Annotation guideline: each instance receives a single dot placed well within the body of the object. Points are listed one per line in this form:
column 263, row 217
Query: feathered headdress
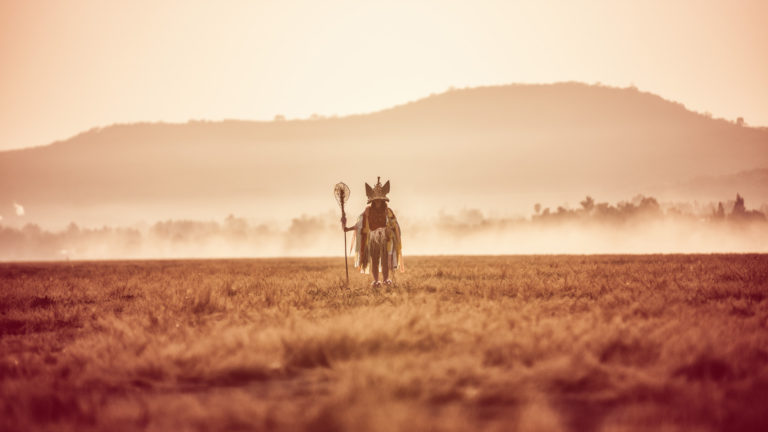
column 377, row 192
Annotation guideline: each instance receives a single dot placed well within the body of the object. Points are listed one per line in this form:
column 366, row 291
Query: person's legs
column 385, row 263
column 375, row 256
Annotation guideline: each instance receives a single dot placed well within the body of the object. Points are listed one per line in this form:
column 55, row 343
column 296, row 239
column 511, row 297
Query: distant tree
column 720, row 212
column 588, row 204
column 738, row 207
column 537, row 208
column 740, row 121
column 649, row 205
column 279, row 117
column 32, row 230
column 741, row 214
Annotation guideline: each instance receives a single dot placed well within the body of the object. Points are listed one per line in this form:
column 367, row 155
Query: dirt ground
column 527, row 343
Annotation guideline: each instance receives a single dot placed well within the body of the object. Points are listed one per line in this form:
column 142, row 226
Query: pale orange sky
column 68, row 66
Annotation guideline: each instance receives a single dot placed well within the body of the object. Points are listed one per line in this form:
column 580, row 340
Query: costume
column 375, row 236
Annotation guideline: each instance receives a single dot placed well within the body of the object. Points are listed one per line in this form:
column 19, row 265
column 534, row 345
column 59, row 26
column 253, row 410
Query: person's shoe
column 388, row 282
column 375, row 284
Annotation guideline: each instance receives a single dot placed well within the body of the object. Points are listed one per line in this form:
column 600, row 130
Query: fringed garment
column 365, row 240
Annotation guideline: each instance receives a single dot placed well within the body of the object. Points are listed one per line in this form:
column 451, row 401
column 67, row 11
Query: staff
column 341, row 192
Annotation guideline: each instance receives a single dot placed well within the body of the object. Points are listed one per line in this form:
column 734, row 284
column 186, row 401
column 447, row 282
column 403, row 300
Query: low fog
column 639, row 225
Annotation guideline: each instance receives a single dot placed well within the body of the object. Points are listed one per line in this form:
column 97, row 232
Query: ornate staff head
column 341, row 192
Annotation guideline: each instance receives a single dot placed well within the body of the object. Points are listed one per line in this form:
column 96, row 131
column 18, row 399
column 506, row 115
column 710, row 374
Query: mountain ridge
column 434, row 97
column 512, row 143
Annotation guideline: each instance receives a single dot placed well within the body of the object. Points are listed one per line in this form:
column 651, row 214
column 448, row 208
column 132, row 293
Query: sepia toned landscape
column 554, row 216
column 556, row 343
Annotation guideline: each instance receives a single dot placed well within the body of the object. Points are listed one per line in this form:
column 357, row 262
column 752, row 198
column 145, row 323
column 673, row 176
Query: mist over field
column 487, row 170
column 640, row 225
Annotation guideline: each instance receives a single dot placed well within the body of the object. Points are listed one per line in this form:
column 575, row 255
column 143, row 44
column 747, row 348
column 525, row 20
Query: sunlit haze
column 348, row 215
column 69, row 66
column 198, row 129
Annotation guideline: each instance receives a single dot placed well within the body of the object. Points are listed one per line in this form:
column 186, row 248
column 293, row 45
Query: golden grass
column 581, row 343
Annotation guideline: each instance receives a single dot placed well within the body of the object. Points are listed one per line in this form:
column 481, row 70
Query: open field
column 582, row 343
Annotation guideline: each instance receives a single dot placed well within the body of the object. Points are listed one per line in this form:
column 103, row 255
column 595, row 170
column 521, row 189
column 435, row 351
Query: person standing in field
column 376, row 242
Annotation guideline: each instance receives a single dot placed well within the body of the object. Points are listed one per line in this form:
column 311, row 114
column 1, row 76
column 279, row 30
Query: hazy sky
column 68, row 66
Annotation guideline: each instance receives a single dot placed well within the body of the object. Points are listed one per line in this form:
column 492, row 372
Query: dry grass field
column 528, row 343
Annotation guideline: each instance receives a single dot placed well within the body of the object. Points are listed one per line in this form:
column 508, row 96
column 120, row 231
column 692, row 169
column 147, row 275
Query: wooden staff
column 344, row 217
column 341, row 192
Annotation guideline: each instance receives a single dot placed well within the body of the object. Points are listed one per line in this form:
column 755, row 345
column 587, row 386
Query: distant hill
column 501, row 147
